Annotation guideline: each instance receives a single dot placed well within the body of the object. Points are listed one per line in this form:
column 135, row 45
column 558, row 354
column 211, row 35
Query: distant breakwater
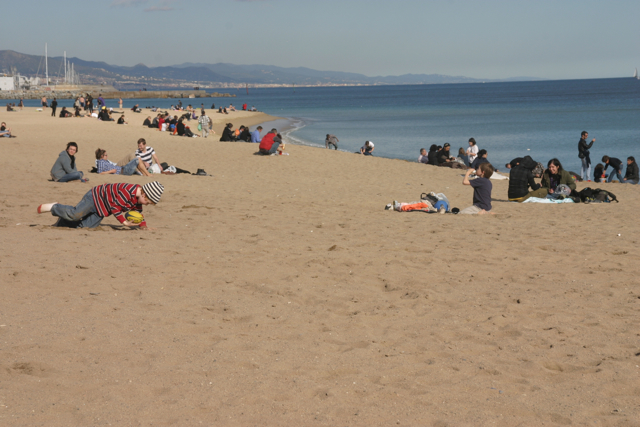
column 75, row 93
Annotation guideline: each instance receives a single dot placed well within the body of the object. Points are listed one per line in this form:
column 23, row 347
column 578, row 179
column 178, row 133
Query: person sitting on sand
column 423, row 157
column 463, row 156
column 444, row 155
column 136, row 108
column 104, row 115
column 245, row 135
column 121, row 120
column 5, row 131
column 255, row 135
column 147, row 122
column 271, row 143
column 105, row 166
column 232, row 108
column 598, row 173
column 556, row 175
column 433, row 155
column 616, row 165
column 481, row 189
column 227, row 133
column 367, row 148
column 183, row 130
column 521, row 178
column 103, row 201
column 10, row 108
column 480, row 159
column 64, row 168
column 64, row 113
column 632, row 176
column 472, row 151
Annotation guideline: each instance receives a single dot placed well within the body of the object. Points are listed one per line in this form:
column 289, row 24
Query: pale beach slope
column 278, row 291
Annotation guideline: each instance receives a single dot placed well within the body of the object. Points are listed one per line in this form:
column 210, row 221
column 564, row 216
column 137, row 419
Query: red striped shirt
column 116, row 200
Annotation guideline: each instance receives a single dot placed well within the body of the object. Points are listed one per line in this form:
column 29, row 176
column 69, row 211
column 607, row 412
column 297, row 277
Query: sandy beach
column 279, row 292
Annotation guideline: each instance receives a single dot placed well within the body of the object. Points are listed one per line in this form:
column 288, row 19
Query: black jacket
column 632, row 172
column 616, row 164
column 227, row 135
column 521, row 178
column 583, row 148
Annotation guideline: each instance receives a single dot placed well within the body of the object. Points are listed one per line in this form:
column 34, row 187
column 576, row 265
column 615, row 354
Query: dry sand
column 280, row 292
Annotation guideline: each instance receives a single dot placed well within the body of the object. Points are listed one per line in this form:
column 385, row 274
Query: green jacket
column 565, row 178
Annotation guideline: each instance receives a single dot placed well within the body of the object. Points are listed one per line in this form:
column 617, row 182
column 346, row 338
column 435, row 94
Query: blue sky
column 559, row 39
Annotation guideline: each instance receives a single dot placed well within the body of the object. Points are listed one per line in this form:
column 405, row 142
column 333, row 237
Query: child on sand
column 105, row 200
column 481, row 189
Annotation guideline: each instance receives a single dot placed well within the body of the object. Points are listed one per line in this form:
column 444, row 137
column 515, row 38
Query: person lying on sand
column 104, row 200
column 105, row 166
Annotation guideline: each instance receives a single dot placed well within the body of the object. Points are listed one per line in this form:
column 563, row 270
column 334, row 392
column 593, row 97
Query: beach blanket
column 545, row 200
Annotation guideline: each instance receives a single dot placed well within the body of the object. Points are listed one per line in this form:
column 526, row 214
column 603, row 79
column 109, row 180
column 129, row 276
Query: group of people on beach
column 106, row 199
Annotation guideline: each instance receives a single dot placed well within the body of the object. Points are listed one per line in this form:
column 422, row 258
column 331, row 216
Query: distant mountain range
column 208, row 75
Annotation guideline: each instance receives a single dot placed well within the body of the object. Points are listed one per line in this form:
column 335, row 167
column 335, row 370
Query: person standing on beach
column 331, row 140
column 89, row 105
column 204, row 121
column 54, row 105
column 120, row 103
column 583, row 154
column 44, row 102
column 101, row 101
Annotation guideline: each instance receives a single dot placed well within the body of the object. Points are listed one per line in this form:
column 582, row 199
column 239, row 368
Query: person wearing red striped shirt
column 104, row 200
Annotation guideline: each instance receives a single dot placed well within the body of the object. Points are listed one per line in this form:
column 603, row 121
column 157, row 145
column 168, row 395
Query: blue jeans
column 274, row 147
column 71, row 177
column 130, row 168
column 614, row 173
column 586, row 166
column 83, row 215
column 629, row 181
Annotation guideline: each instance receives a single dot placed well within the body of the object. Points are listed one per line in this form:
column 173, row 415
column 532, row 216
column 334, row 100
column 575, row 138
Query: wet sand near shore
column 278, row 291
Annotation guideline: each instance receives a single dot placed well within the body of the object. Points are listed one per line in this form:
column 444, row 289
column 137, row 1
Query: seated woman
column 77, row 112
column 64, row 169
column 521, row 178
column 463, row 156
column 433, row 155
column 121, row 120
column 227, row 133
column 555, row 175
column 147, row 122
column 105, row 166
column 367, row 148
column 5, row 131
column 245, row 135
column 64, row 113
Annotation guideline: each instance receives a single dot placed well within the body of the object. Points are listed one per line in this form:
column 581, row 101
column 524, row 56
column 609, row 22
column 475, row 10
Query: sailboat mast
column 65, row 67
column 46, row 64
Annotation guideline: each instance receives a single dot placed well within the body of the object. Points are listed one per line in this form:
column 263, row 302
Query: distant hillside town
column 22, row 71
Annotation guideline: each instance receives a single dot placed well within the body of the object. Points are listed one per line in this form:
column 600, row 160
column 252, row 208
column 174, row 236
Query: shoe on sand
column 45, row 207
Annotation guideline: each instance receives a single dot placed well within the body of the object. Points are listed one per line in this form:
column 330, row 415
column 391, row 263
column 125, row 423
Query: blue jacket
column 255, row 136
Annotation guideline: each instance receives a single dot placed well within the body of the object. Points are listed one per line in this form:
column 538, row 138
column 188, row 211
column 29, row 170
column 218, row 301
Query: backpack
column 590, row 195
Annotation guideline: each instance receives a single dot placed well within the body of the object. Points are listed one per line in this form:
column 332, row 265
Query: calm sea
column 542, row 119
